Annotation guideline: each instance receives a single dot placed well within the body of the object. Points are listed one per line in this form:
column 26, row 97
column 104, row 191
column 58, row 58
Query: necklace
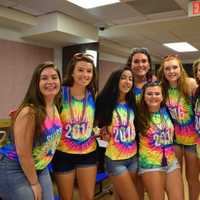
column 174, row 108
column 120, row 119
column 122, row 127
column 71, row 110
column 158, row 126
column 162, row 132
column 51, row 113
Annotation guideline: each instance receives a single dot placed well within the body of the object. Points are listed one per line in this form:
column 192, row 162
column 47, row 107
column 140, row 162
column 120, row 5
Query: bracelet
column 33, row 184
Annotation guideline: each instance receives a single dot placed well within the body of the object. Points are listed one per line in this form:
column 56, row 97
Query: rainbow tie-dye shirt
column 197, row 114
column 137, row 92
column 157, row 142
column 183, row 117
column 77, row 136
column 122, row 144
column 197, row 123
column 45, row 146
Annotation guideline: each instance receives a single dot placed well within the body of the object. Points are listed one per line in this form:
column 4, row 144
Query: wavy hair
column 107, row 99
column 35, row 99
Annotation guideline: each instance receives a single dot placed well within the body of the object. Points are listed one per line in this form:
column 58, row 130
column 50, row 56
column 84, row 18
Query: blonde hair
column 182, row 84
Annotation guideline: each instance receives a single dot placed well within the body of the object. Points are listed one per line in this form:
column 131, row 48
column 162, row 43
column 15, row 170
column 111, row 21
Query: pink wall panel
column 105, row 69
column 17, row 62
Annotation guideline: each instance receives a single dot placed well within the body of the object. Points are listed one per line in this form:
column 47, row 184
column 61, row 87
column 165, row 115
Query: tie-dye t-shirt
column 183, row 118
column 45, row 146
column 122, row 144
column 197, row 114
column 156, row 144
column 77, row 136
column 137, row 92
column 197, row 123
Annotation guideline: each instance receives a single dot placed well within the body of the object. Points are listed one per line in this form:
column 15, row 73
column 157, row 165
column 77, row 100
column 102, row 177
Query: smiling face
column 125, row 83
column 49, row 83
column 172, row 71
column 153, row 98
column 140, row 65
column 83, row 73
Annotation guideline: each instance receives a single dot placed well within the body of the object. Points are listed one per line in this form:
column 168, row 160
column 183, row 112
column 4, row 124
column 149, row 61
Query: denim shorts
column 117, row 167
column 65, row 162
column 15, row 186
column 168, row 169
column 188, row 148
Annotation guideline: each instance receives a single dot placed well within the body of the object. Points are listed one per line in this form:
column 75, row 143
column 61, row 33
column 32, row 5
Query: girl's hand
column 37, row 191
column 104, row 134
column 96, row 131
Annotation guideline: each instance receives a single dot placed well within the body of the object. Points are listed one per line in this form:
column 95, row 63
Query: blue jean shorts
column 168, row 169
column 117, row 167
column 14, row 184
column 188, row 148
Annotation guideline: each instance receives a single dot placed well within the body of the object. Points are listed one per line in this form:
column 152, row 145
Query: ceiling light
column 181, row 46
column 92, row 3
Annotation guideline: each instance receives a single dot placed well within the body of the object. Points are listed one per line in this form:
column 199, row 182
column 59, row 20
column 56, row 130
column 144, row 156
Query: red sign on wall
column 194, row 8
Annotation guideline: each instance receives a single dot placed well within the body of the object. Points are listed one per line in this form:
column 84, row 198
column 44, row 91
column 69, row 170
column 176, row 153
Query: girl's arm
column 24, row 133
column 192, row 86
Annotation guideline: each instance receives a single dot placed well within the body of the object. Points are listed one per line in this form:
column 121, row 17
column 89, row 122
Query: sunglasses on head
column 140, row 50
column 82, row 55
column 170, row 56
column 152, row 83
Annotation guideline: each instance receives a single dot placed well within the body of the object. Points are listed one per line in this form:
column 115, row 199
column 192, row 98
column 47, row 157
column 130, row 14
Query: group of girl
column 149, row 125
column 152, row 135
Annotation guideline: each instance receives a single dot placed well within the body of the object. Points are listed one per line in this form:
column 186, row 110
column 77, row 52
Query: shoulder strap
column 65, row 93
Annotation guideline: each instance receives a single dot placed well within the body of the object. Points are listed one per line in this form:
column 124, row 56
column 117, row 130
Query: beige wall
column 17, row 61
column 105, row 69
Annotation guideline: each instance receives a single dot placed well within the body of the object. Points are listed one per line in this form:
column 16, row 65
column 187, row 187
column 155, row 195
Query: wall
column 17, row 62
column 105, row 69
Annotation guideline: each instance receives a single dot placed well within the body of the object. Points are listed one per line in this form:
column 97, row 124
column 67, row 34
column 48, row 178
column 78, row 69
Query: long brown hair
column 107, row 99
column 143, row 114
column 35, row 99
column 68, row 78
column 182, row 85
column 144, row 51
